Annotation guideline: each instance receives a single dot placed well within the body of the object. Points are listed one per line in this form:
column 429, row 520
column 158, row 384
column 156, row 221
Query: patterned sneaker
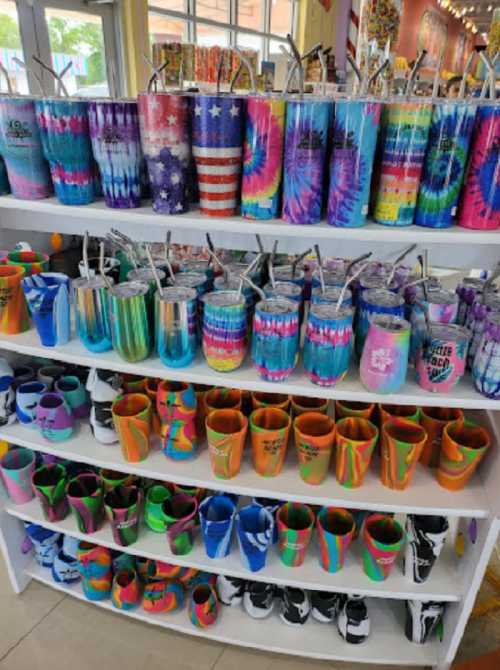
column 353, row 622
column 422, row 617
column 324, row 605
column 295, row 606
column 230, row 590
column 258, row 599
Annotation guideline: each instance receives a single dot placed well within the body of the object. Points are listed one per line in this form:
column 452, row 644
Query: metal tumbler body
column 129, row 321
column 176, row 326
column 93, row 325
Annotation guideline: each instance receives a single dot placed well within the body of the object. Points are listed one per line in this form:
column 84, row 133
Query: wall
column 408, row 31
column 315, row 24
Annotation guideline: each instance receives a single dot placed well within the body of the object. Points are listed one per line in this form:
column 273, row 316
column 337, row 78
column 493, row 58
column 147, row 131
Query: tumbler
column 314, row 435
column 434, row 420
column 64, row 131
column 371, row 303
column 441, row 357
column 224, row 330
column 269, row 432
column 355, row 440
column 441, row 306
column 384, row 361
column 217, row 515
column 405, row 131
column 354, row 142
column 92, row 317
column 275, row 340
column 444, row 165
column 467, row 290
column 262, row 157
column 13, row 310
column 425, row 538
column 486, row 366
column 331, row 294
column 123, row 506
column 254, row 528
column 85, row 496
column 176, row 326
column 132, row 419
column 383, row 538
column 21, row 149
column 482, row 308
column 164, row 124
column 328, row 343
column 129, row 321
column 17, row 467
column 402, row 446
column 335, row 533
column 47, row 296
column 463, row 447
column 49, row 487
column 306, row 131
column 217, row 150
column 226, row 434
column 114, row 130
column 480, row 204
column 295, row 523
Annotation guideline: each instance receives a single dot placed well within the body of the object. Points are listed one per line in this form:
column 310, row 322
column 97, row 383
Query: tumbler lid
column 440, row 296
column 382, row 297
column 285, row 273
column 285, row 289
column 232, row 283
column 331, row 293
column 224, row 299
column 277, row 305
column 130, row 289
column 177, row 294
column 94, row 283
column 329, row 312
column 331, row 277
column 391, row 323
column 449, row 332
column 190, row 279
column 145, row 275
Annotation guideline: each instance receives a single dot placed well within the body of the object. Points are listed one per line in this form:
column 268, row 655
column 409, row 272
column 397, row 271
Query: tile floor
column 43, row 629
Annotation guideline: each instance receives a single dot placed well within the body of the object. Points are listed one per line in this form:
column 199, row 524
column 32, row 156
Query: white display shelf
column 445, row 582
column 143, row 224
column 423, row 496
column 464, row 394
column 386, row 644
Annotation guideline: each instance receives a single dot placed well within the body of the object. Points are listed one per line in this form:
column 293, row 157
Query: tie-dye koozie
column 295, row 523
column 336, row 529
column 383, row 538
column 94, row 563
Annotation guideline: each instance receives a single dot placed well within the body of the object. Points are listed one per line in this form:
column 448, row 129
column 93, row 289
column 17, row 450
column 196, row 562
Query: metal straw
column 398, row 260
column 324, row 70
column 154, row 271
column 219, row 73
column 105, row 279
column 3, row 70
column 437, row 78
column 156, row 71
column 461, row 90
column 56, row 76
column 256, row 288
column 35, row 76
column 85, row 255
column 320, row 268
column 423, row 269
column 375, row 75
column 491, row 71
column 346, row 284
column 414, row 72
column 167, row 256
column 259, row 244
column 357, row 260
column 244, row 60
column 299, row 259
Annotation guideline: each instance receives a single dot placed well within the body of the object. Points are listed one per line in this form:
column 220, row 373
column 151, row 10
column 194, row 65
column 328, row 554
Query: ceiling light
column 490, row 8
column 474, row 29
column 471, row 9
column 464, row 11
column 468, row 25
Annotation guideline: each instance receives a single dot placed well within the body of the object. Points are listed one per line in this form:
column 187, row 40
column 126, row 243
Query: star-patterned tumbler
column 163, row 120
column 217, row 149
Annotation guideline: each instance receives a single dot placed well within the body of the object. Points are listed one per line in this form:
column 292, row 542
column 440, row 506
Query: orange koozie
column 269, row 432
column 433, row 420
column 464, row 445
column 314, row 435
column 226, row 433
column 402, row 445
column 13, row 310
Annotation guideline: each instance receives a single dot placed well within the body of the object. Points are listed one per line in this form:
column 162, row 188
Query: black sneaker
column 324, row 605
column 258, row 599
column 230, row 590
column 422, row 617
column 353, row 622
column 426, row 536
column 295, row 606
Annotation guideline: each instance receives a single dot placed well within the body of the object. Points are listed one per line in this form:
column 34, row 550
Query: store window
column 11, row 48
column 253, row 24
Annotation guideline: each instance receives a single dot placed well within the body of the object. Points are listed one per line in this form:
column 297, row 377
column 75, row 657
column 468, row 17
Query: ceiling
column 481, row 13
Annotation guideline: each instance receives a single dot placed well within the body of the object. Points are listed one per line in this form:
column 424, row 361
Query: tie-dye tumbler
column 114, row 130
column 336, row 528
column 314, row 435
column 355, row 132
column 306, row 132
column 48, row 297
column 355, row 440
column 486, row 367
column 464, row 445
column 405, row 127
column 85, row 497
column 384, row 361
column 383, row 538
column 13, row 309
column 262, row 157
column 65, row 135
column 17, row 467
column 295, row 523
column 445, row 162
column 480, row 204
column 402, row 446
column 441, row 358
column 275, row 338
column 217, row 149
column 328, row 344
column 224, row 330
column 21, row 149
column 164, row 123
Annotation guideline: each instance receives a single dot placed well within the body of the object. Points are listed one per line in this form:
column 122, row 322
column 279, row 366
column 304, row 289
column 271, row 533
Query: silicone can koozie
column 85, row 496
column 354, row 141
column 434, row 420
column 464, row 445
column 262, row 157
column 314, row 435
column 94, row 564
column 401, row 449
column 13, row 309
column 295, row 523
column 203, row 606
column 176, row 408
column 226, row 434
column 180, row 519
column 383, row 538
column 269, row 432
column 355, row 440
column 335, row 533
column 48, row 297
column 480, row 204
column 445, row 162
column 254, row 528
column 65, row 135
column 123, row 506
column 306, row 132
column 17, row 467
column 132, row 419
column 217, row 514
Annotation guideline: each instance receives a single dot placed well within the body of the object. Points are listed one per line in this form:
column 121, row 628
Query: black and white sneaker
column 104, row 387
column 422, row 617
column 230, row 590
column 258, row 599
column 295, row 606
column 426, row 536
column 353, row 622
column 324, row 605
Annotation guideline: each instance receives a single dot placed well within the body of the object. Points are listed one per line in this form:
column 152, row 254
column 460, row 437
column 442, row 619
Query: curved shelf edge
column 387, row 643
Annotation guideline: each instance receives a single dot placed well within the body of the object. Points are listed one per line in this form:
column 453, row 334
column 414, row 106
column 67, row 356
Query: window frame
column 189, row 15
